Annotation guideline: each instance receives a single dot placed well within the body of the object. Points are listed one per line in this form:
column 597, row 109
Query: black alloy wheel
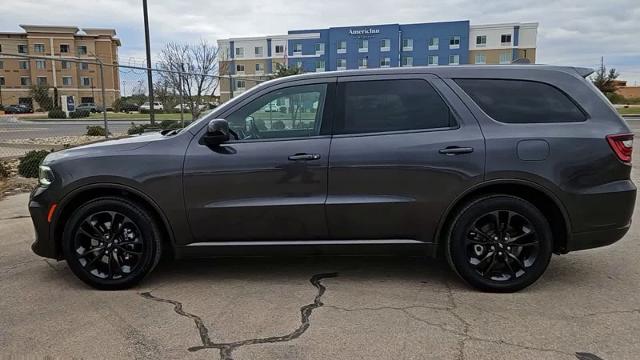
column 500, row 243
column 111, row 243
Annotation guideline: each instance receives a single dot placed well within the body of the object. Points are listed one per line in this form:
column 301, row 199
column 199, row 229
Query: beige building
column 69, row 75
column 249, row 60
column 502, row 43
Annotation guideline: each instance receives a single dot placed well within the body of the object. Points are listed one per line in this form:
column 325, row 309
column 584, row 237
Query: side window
column 285, row 113
column 392, row 105
column 520, row 101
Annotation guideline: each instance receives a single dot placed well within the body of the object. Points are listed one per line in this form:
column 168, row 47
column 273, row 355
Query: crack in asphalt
column 16, row 217
column 226, row 349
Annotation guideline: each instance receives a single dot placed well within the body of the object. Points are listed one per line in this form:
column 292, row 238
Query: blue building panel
column 376, row 36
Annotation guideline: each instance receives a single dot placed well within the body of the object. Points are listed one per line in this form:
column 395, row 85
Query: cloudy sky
column 570, row 32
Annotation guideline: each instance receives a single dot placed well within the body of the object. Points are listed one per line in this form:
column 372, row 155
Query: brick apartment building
column 81, row 80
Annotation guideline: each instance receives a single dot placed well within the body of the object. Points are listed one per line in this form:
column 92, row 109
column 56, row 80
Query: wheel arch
column 80, row 195
column 539, row 196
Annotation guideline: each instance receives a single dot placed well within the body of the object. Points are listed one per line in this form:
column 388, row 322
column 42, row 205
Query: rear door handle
column 304, row 157
column 455, row 150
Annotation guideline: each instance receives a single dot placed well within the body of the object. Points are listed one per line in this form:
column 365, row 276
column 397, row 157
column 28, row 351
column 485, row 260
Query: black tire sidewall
column 456, row 246
column 151, row 238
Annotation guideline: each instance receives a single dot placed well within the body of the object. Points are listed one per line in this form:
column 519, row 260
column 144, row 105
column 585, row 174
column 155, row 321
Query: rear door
column 400, row 154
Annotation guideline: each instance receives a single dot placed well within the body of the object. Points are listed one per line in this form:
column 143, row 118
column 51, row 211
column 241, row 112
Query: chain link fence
column 51, row 103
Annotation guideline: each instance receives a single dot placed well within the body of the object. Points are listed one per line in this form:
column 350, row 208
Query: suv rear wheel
column 111, row 243
column 499, row 243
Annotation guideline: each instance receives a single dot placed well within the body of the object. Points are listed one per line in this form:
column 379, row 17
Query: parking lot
column 586, row 306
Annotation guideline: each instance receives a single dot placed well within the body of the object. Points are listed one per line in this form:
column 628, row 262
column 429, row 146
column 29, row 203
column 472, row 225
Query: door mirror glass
column 217, row 132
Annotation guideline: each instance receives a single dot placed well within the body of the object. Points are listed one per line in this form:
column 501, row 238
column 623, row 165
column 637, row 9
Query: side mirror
column 217, row 132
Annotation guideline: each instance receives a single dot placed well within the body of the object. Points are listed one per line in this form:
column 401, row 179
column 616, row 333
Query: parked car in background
column 494, row 168
column 187, row 107
column 18, row 109
column 129, row 107
column 91, row 107
column 147, row 107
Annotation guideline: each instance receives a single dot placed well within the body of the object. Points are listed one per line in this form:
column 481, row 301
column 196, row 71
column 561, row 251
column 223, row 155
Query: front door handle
column 304, row 157
column 455, row 150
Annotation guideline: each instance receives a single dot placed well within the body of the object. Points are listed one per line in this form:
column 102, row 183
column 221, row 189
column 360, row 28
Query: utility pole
column 148, row 48
column 181, row 97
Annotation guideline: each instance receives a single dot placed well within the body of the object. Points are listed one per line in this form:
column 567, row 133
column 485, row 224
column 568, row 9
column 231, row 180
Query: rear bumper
column 594, row 239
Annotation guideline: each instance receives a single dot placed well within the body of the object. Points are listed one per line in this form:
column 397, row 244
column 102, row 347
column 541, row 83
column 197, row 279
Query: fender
column 445, row 216
column 113, row 186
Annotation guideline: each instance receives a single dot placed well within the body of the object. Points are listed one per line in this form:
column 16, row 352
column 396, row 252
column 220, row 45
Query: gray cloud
column 570, row 33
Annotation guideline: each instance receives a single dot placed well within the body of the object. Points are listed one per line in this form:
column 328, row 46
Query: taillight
column 622, row 145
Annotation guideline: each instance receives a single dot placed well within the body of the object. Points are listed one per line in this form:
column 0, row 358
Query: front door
column 270, row 183
column 400, row 155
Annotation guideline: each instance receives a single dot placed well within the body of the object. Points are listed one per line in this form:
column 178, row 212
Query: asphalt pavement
column 586, row 306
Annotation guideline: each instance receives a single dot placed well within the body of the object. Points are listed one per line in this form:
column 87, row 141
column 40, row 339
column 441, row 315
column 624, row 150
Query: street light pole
column 148, row 49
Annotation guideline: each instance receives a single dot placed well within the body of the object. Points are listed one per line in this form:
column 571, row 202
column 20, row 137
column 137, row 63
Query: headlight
column 45, row 175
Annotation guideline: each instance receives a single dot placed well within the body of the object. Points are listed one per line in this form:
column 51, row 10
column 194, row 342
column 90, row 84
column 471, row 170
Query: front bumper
column 44, row 244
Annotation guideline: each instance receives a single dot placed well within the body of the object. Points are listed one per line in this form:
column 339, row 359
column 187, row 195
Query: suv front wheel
column 499, row 243
column 111, row 243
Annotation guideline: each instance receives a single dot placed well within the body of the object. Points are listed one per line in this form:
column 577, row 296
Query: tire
column 493, row 257
column 107, row 258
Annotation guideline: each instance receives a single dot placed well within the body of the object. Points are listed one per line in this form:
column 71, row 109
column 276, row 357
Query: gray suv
column 492, row 167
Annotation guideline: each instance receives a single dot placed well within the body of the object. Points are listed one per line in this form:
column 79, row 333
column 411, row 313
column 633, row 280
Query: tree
column 192, row 69
column 283, row 71
column 40, row 93
column 605, row 80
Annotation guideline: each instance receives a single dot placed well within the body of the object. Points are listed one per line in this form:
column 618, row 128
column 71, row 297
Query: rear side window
column 391, row 105
column 520, row 102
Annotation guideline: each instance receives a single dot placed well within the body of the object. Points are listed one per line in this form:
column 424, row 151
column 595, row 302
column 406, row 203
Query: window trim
column 340, row 106
column 587, row 116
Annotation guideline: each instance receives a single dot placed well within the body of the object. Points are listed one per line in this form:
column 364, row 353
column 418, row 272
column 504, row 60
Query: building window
column 41, row 65
column 320, row 66
column 279, row 49
column 258, row 51
column 85, row 81
column 25, row 81
column 82, row 50
column 385, row 45
column 41, row 80
column 434, row 43
column 319, row 48
column 454, row 42
column 385, row 62
column 240, row 84
column 506, row 57
column 1, row 63
column 481, row 59
column 297, row 49
column 432, row 60
column 363, row 62
column 259, row 68
column 1, row 81
column 239, row 69
column 342, row 47
column 454, row 59
column 239, row 52
column 64, row 48
column 67, row 80
column 407, row 61
column 505, row 39
column 341, row 64
column 65, row 65
column 39, row 48
column 481, row 40
column 23, row 64
column 407, row 44
column 22, row 49
column 363, row 45
column 84, row 66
